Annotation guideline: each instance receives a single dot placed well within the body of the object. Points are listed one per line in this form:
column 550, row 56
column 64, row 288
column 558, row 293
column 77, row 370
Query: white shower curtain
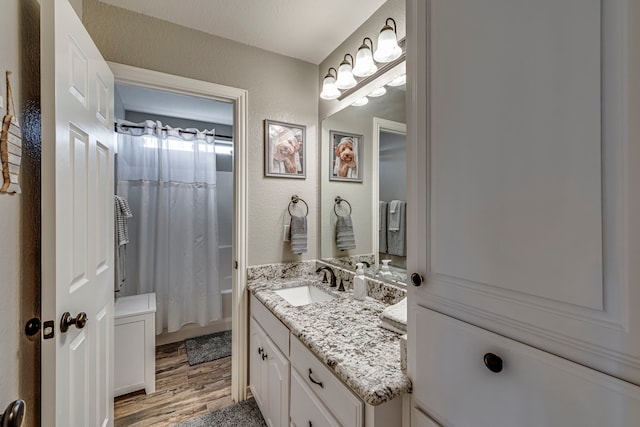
column 169, row 179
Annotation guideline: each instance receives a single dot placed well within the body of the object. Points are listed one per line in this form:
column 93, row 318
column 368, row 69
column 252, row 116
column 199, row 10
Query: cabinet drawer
column 306, row 409
column 340, row 400
column 278, row 332
column 533, row 388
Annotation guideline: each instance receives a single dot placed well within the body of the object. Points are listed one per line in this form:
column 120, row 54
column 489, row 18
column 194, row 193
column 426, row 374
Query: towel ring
column 339, row 200
column 295, row 199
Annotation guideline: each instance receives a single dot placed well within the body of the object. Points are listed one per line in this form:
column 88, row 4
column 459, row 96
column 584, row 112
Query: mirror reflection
column 366, row 200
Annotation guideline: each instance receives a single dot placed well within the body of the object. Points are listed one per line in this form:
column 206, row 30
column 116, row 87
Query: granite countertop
column 344, row 334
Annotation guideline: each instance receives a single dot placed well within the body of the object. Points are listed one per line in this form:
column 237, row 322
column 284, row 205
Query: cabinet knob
column 260, row 350
column 264, row 356
column 416, row 279
column 493, row 362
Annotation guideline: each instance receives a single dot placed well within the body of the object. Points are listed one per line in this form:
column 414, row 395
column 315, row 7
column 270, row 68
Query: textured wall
column 280, row 88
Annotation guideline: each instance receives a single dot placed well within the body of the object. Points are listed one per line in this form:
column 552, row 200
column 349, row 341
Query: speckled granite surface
column 345, row 335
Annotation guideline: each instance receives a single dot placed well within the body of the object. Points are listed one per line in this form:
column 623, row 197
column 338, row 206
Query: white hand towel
column 396, row 313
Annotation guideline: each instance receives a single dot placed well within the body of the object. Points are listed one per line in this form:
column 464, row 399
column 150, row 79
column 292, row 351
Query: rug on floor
column 243, row 414
column 208, row 347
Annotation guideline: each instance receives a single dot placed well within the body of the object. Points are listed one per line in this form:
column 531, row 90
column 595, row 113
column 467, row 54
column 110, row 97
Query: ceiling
column 135, row 98
column 305, row 29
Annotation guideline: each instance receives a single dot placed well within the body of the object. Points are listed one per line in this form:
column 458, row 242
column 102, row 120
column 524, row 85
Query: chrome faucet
column 331, row 272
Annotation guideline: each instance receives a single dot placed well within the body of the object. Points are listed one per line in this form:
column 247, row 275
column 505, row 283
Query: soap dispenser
column 360, row 283
column 385, row 271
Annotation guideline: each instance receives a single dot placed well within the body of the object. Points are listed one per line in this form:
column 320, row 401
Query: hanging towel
column 345, row 238
column 396, row 231
column 298, row 234
column 394, row 317
column 10, row 146
column 382, row 227
column 122, row 213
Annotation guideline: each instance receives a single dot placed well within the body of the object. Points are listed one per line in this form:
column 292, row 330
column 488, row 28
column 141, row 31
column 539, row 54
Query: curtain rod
column 115, row 125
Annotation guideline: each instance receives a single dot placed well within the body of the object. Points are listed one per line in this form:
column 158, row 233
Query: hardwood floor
column 182, row 391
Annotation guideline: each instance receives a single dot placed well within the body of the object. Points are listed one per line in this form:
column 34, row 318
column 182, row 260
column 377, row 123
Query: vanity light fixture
column 360, row 102
column 345, row 78
column 398, row 81
column 329, row 89
column 388, row 48
column 378, row 92
column 365, row 66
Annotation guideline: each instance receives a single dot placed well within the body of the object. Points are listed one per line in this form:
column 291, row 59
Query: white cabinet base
column 134, row 344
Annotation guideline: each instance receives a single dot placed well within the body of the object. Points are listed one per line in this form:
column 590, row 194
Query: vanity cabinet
column 524, row 209
column 269, row 374
column 296, row 389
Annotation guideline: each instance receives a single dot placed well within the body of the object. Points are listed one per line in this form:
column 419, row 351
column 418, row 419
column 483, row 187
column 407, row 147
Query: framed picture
column 284, row 150
column 346, row 156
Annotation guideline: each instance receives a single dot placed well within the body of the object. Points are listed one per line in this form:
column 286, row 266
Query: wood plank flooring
column 182, row 391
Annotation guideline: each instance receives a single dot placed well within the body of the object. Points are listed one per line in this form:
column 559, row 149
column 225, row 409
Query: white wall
column 280, row 88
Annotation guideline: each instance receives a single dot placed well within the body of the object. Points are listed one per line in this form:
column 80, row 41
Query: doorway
column 132, row 76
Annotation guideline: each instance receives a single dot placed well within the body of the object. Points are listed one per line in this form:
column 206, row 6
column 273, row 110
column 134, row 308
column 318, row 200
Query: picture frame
column 284, row 150
column 347, row 156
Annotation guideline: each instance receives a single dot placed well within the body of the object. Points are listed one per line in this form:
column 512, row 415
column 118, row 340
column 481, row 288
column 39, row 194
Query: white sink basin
column 303, row 295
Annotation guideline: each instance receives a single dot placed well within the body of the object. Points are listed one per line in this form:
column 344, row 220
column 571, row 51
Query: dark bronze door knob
column 79, row 321
column 416, row 279
column 493, row 362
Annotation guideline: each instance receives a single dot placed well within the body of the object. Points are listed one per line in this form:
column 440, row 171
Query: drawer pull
column 493, row 362
column 264, row 356
column 260, row 350
column 314, row 381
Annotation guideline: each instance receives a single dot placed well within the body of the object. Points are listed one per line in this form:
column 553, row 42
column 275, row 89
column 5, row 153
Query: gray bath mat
column 243, row 414
column 208, row 347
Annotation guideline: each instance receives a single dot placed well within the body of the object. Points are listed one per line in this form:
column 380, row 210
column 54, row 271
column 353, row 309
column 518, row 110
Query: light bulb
column 345, row 78
column 360, row 102
column 388, row 48
column 364, row 66
column 398, row 81
column 329, row 89
column 378, row 92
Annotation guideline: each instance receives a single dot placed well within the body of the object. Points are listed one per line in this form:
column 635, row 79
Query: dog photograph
column 346, row 152
column 284, row 149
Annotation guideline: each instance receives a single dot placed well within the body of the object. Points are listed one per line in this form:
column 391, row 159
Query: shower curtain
column 169, row 179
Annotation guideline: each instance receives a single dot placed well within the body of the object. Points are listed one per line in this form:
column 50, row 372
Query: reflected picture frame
column 284, row 150
column 347, row 156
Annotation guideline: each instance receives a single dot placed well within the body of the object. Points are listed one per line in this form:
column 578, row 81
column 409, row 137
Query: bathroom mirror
column 375, row 134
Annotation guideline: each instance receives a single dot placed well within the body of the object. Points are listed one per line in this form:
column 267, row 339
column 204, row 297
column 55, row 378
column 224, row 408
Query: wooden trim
column 127, row 74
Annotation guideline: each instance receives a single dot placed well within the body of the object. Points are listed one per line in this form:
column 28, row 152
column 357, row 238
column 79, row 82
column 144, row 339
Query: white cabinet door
column 523, row 173
column 257, row 367
column 268, row 377
column 278, row 371
column 77, row 222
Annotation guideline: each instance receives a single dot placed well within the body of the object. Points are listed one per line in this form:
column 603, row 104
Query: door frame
column 126, row 74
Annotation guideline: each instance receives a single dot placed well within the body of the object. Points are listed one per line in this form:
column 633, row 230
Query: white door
column 524, row 153
column 77, row 222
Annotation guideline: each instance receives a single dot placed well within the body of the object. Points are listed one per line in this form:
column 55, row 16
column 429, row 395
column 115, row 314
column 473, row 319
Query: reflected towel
column 382, row 227
column 298, row 233
column 397, row 230
column 394, row 215
column 345, row 238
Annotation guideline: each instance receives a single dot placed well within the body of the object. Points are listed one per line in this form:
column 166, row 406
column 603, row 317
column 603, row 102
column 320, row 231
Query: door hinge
column 235, row 265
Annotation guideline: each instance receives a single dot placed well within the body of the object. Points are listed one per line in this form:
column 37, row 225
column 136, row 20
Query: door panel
column 525, row 216
column 77, row 224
